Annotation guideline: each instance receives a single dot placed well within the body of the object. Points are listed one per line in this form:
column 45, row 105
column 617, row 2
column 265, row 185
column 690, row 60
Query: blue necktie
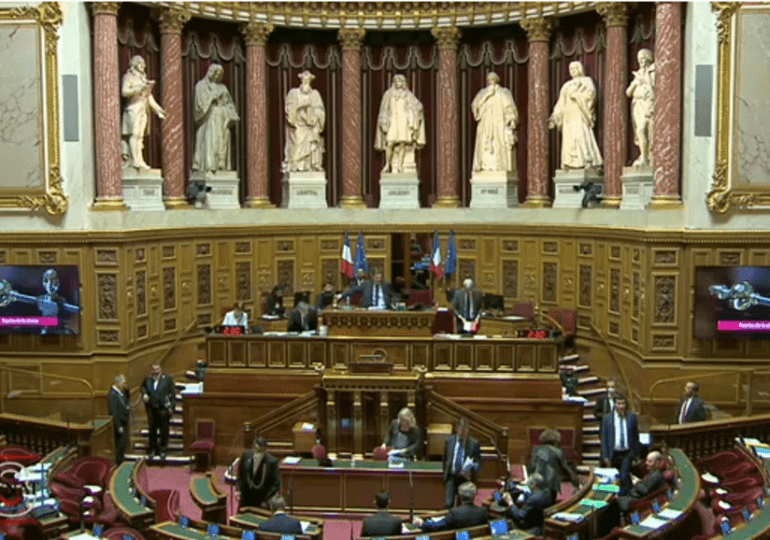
column 459, row 459
column 622, row 433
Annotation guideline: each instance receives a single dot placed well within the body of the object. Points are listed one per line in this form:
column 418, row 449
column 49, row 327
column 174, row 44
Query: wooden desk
column 122, row 493
column 360, row 322
column 559, row 530
column 210, row 498
column 343, row 488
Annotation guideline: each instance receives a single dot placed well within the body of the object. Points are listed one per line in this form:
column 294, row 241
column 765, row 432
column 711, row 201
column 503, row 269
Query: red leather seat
column 380, row 454
column 119, row 533
column 203, row 446
column 18, row 454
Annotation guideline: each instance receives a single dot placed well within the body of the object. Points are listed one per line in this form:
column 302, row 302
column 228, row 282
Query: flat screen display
column 39, row 300
column 732, row 302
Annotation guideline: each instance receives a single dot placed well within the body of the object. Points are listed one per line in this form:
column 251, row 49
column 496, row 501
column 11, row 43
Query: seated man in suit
column 467, row 304
column 527, row 510
column 691, row 408
column 236, row 317
column 382, row 523
column 464, row 516
column 462, row 458
column 620, row 442
column 303, row 318
column 374, row 294
column 258, row 476
column 281, row 522
column 326, row 298
column 650, row 484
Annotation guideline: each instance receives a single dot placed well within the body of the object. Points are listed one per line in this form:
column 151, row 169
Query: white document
column 725, row 505
column 606, row 472
column 668, row 513
column 645, row 439
column 468, row 464
column 653, row 523
column 292, row 460
column 271, row 317
column 305, row 526
column 308, row 427
column 710, row 478
column 749, row 441
column 566, row 516
column 467, row 325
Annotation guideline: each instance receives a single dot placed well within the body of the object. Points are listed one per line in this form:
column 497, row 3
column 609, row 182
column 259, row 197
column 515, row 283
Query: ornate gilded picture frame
column 742, row 171
column 29, row 109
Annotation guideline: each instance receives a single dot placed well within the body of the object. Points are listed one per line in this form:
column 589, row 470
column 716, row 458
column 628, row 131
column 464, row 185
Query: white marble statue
column 305, row 120
column 642, row 94
column 575, row 115
column 400, row 126
column 214, row 116
column 497, row 117
column 136, row 115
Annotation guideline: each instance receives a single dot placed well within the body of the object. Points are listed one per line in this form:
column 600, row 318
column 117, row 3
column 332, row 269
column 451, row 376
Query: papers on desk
column 576, row 399
column 668, row 513
column 645, row 439
column 725, row 505
column 276, row 334
column 593, row 503
column 396, row 463
column 721, row 491
column 653, row 523
column 606, row 474
column 607, row 488
column 82, row 536
column 307, row 426
column 762, row 452
column 271, row 317
column 481, row 337
column 710, row 478
column 570, row 517
column 291, row 460
column 305, row 526
column 193, row 389
column 749, row 441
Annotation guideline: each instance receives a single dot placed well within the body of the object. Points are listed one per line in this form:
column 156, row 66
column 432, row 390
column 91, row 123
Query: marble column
column 538, row 34
column 447, row 137
column 615, row 15
column 667, row 145
column 109, row 183
column 255, row 35
column 172, row 19
column 351, row 40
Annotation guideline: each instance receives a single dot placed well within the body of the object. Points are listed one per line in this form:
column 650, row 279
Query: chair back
column 417, row 296
column 524, row 309
column 319, row 452
column 380, row 454
column 444, row 322
column 356, row 298
column 204, row 428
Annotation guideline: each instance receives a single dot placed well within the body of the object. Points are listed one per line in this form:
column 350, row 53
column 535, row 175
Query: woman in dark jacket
column 404, row 437
column 275, row 301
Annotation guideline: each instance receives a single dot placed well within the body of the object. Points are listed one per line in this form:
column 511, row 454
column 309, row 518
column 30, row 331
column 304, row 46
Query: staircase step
column 172, row 446
column 591, row 392
column 176, row 421
column 569, row 358
column 585, row 381
column 592, row 440
column 592, row 456
column 591, row 429
column 170, row 460
column 589, row 416
column 172, row 433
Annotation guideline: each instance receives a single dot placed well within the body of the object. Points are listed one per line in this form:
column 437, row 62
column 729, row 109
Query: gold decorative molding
column 447, row 37
column 537, row 29
column 105, row 8
column 46, row 17
column 172, row 17
column 613, row 13
column 256, row 34
column 351, row 38
column 725, row 12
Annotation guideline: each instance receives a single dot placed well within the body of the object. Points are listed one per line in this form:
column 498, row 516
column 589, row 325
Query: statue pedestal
column 400, row 190
column 304, row 190
column 494, row 189
column 638, row 187
column 565, row 183
column 143, row 189
column 224, row 189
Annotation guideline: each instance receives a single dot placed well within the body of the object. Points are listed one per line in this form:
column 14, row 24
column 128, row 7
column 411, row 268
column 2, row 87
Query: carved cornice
column 537, row 29
column 613, row 13
column 172, row 18
column 255, row 33
column 447, row 37
column 351, row 38
column 724, row 11
column 105, row 8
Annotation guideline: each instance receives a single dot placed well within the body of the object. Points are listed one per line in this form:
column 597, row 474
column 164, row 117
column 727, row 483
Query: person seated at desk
column 274, row 306
column 382, row 523
column 258, row 476
column 548, row 461
column 236, row 317
column 326, row 298
column 527, row 510
column 404, row 437
column 464, row 516
column 467, row 304
column 374, row 294
column 651, row 483
column 303, row 318
column 281, row 522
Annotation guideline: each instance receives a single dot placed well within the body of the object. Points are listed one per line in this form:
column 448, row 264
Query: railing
column 292, row 410
column 626, row 382
column 659, row 383
column 42, row 435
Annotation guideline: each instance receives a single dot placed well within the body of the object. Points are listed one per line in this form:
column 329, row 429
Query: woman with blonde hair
column 404, row 438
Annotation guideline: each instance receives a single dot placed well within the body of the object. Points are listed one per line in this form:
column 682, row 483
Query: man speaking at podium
column 375, row 294
column 467, row 305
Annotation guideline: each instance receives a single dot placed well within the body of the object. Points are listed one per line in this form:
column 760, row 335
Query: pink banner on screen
column 29, row 321
column 744, row 326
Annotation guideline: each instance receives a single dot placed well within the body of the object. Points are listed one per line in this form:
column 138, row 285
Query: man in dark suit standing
column 374, row 294
column 258, row 477
column 691, row 408
column 527, row 514
column 467, row 304
column 464, row 516
column 159, row 395
column 620, row 442
column 119, row 410
column 281, row 522
column 462, row 458
column 303, row 318
column 382, row 523
column 605, row 404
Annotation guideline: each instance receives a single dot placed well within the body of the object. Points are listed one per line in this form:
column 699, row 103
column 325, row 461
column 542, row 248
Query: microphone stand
column 411, row 497
column 291, row 489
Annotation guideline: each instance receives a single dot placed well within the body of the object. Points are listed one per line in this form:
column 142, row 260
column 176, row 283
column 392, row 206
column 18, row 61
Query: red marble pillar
column 538, row 32
column 448, row 122
column 109, row 183
column 255, row 35
column 351, row 40
column 172, row 19
column 666, row 148
column 615, row 16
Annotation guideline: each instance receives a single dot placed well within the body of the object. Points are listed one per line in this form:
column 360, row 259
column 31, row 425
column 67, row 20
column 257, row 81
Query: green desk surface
column 203, row 490
column 174, row 529
column 122, row 491
column 585, row 509
column 639, row 530
column 57, row 454
column 759, row 524
column 690, row 481
column 248, row 519
column 368, row 464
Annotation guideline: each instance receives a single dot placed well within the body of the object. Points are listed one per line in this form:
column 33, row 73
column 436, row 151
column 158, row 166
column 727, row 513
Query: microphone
column 291, row 489
column 411, row 497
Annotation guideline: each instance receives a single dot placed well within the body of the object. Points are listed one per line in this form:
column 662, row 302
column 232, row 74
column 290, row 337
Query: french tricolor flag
column 347, row 258
column 435, row 260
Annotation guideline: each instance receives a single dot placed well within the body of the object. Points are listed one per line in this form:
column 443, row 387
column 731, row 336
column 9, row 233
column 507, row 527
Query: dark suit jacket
column 295, row 320
column 264, row 484
column 414, row 436
column 648, row 485
column 275, row 305
column 549, row 462
column 472, row 450
column 366, row 289
column 325, row 299
column 282, row 523
column 608, row 435
column 530, row 514
column 118, row 407
column 164, row 396
column 464, row 516
column 695, row 413
column 460, row 302
column 602, row 406
column 381, row 524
